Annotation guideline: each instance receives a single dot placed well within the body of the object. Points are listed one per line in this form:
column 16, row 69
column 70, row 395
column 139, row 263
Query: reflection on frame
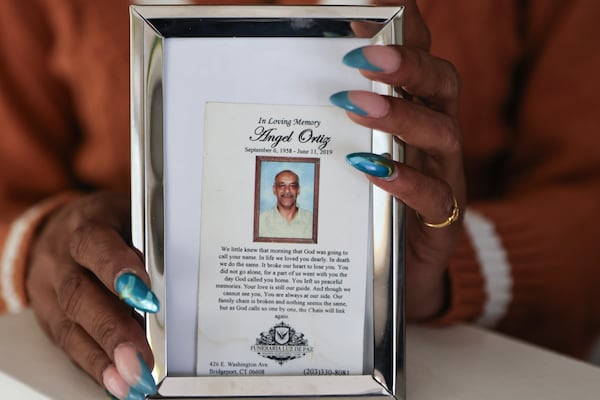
column 286, row 193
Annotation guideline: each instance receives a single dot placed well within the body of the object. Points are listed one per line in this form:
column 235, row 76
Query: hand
column 432, row 178
column 79, row 263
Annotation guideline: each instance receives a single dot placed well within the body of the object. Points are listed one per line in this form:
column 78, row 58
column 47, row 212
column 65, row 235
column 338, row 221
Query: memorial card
column 284, row 242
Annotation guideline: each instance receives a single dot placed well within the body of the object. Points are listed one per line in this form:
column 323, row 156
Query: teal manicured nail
column 356, row 59
column 132, row 395
column 372, row 164
column 132, row 368
column 134, row 292
column 342, row 100
column 135, row 395
column 146, row 383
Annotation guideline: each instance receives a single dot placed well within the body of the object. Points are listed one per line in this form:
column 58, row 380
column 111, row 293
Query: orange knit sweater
column 529, row 262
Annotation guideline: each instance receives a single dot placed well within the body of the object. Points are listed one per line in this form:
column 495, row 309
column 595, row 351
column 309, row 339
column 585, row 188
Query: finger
column 431, row 197
column 107, row 208
column 429, row 78
column 70, row 337
column 117, row 386
column 102, row 250
column 133, row 369
column 435, row 133
column 82, row 349
column 110, row 325
column 416, row 32
column 85, row 353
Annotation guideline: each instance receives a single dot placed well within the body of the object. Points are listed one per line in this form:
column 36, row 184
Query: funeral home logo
column 281, row 343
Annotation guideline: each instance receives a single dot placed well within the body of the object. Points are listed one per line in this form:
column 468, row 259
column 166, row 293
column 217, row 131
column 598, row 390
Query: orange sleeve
column 38, row 135
column 545, row 226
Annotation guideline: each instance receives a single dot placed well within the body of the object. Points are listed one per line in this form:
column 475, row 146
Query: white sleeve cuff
column 495, row 267
column 10, row 252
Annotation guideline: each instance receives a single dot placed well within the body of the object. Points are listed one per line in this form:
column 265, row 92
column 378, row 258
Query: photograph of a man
column 286, row 217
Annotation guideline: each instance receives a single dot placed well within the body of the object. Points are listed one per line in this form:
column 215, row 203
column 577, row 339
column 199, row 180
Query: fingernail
column 373, row 58
column 134, row 292
column 372, row 164
column 357, row 59
column 114, row 384
column 363, row 103
column 134, row 395
column 110, row 395
column 133, row 369
column 131, row 395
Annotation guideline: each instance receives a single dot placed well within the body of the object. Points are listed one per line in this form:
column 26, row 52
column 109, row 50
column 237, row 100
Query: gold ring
column 451, row 219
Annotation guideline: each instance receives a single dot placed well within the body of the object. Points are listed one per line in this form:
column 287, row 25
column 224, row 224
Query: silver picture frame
column 161, row 204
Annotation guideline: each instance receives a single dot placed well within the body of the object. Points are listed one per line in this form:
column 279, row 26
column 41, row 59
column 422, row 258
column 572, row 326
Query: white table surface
column 462, row 362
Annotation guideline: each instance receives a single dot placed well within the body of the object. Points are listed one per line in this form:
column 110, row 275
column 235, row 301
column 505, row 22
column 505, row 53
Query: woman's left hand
column 431, row 182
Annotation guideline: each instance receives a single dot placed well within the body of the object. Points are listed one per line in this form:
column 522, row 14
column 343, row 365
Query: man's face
column 287, row 189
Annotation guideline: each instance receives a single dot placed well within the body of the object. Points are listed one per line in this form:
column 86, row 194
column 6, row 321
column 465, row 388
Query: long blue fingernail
column 134, row 292
column 135, row 395
column 372, row 164
column 356, row 59
column 146, row 383
column 342, row 100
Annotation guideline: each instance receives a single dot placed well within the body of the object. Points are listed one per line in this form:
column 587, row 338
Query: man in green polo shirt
column 286, row 219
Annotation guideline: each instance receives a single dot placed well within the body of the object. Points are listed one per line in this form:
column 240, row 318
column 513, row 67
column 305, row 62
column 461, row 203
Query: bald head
column 286, row 187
